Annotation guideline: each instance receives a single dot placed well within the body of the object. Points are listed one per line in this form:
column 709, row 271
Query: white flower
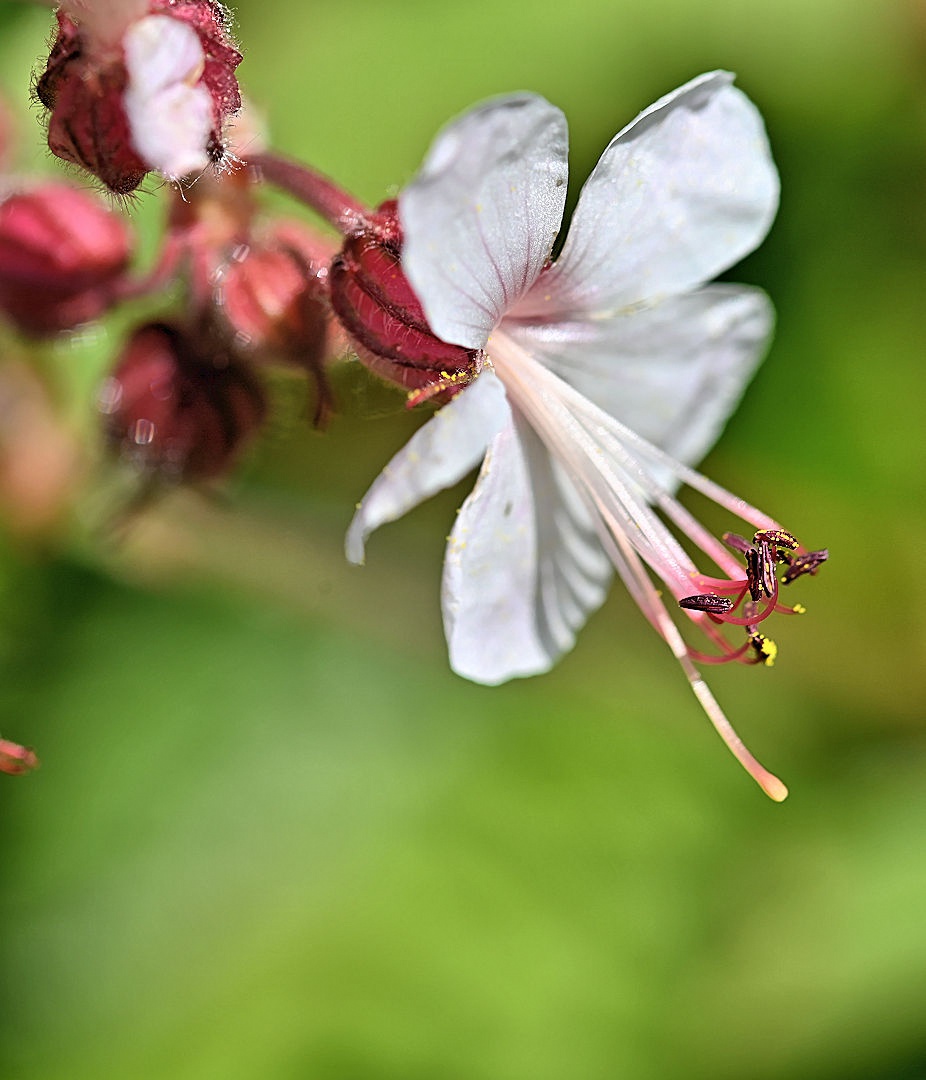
column 602, row 379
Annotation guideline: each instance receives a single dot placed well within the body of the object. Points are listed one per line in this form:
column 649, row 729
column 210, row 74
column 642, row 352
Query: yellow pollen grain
column 799, row 609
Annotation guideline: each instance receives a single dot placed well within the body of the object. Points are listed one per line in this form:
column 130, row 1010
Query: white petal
column 679, row 195
column 524, row 567
column 673, row 373
column 480, row 218
column 439, row 454
column 170, row 117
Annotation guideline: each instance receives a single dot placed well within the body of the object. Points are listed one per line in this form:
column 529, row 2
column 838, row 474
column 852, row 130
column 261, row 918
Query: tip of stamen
column 772, row 787
column 765, row 651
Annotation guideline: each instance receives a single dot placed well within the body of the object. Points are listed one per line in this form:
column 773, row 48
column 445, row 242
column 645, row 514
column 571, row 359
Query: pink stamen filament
column 687, row 523
column 729, row 653
column 545, row 400
column 728, row 658
column 770, row 784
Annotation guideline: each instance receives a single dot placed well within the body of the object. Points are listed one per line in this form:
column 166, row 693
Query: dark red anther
column 736, row 542
column 63, row 254
column 378, row 308
column 808, row 563
column 710, row 603
column 177, row 410
column 775, row 538
column 766, row 567
column 754, row 573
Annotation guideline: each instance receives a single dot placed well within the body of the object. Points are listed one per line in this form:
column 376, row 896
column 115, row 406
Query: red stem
column 328, row 200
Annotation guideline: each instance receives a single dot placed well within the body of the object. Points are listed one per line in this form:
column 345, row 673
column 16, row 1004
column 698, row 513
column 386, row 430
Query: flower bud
column 150, row 89
column 270, row 293
column 377, row 306
column 62, row 256
column 177, row 410
column 15, row 759
column 271, row 298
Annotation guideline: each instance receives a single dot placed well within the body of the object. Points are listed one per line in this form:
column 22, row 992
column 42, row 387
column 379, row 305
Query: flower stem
column 328, row 200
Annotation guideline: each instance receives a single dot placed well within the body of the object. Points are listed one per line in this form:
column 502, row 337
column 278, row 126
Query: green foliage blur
column 274, row 836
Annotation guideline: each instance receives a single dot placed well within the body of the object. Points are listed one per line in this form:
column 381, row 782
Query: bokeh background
column 274, row 836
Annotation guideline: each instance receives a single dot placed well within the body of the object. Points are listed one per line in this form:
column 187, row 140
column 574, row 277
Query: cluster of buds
column 186, row 396
column 260, row 287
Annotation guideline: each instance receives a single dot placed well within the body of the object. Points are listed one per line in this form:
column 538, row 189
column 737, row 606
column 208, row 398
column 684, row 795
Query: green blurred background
column 274, row 836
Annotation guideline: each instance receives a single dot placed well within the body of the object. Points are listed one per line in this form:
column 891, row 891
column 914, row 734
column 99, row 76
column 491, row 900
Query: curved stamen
column 616, row 487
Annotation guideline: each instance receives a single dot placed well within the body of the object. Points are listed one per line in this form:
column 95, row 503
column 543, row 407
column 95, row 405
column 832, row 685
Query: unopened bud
column 15, row 759
column 177, row 411
column 272, row 299
column 151, row 95
column 62, row 254
column 272, row 295
column 378, row 308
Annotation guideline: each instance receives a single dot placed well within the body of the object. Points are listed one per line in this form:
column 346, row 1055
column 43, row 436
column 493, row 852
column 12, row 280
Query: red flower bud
column 62, row 255
column 272, row 293
column 271, row 296
column 128, row 99
column 15, row 759
column 178, row 411
column 376, row 305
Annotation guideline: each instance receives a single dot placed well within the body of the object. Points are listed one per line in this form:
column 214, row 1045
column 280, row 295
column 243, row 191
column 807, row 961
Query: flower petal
column 679, row 195
column 524, row 566
column 439, row 454
column 480, row 218
column 673, row 373
column 170, row 117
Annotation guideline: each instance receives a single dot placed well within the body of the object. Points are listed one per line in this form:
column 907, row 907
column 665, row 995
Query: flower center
column 377, row 306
